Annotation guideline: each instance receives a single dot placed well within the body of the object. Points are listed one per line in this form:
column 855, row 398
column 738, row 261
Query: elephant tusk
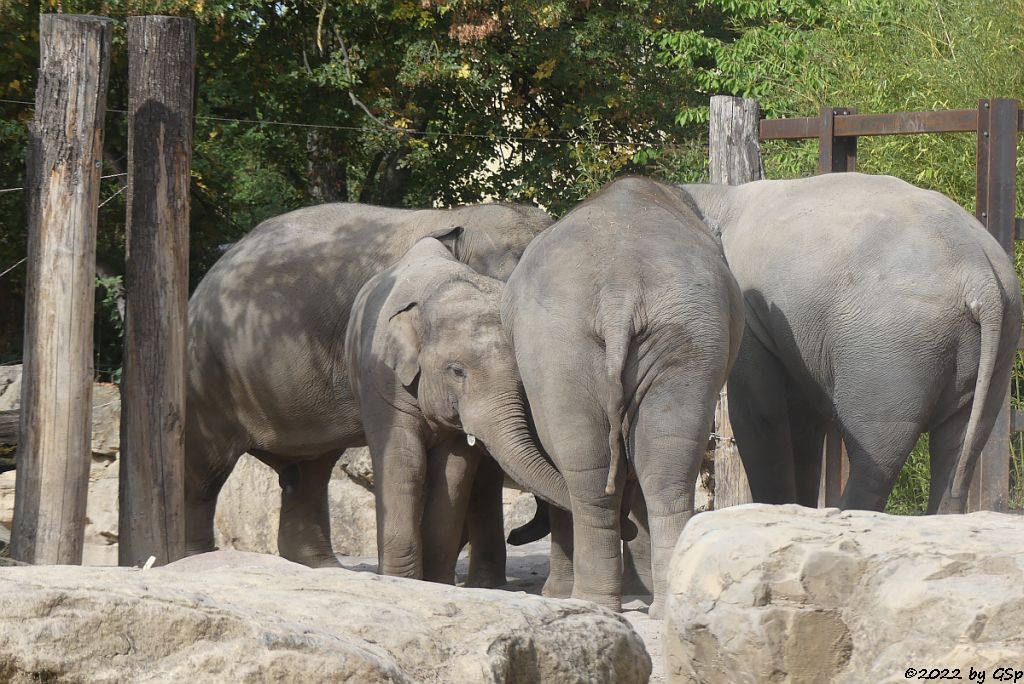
column 470, row 440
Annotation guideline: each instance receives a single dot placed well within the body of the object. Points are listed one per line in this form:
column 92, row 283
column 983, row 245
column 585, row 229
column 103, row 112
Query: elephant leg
column 670, row 437
column 304, row 532
column 597, row 540
column 636, row 554
column 486, row 522
column 560, row 577
column 877, row 451
column 399, row 470
column 945, row 442
column 451, row 468
column 759, row 413
column 209, row 460
column 807, row 431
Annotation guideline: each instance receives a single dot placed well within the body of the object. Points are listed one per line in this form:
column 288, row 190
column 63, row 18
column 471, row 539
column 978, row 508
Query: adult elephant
column 625, row 321
column 267, row 372
column 873, row 305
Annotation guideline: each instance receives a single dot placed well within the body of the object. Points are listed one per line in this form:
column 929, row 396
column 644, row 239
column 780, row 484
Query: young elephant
column 267, row 326
column 872, row 306
column 433, row 373
column 625, row 321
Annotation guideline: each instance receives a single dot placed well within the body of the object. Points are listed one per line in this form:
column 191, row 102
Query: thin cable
column 394, row 129
column 119, row 191
column 13, row 267
column 113, row 175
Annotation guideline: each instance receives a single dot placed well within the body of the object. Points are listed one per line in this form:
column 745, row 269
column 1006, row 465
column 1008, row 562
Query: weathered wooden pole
column 996, row 209
column 160, row 79
column 734, row 158
column 64, row 157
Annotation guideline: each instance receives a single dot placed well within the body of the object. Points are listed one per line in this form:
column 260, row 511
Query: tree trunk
column 152, row 466
column 734, row 158
column 64, row 168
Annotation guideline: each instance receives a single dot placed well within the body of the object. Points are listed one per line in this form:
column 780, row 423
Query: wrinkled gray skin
column 872, row 305
column 433, row 370
column 267, row 326
column 625, row 320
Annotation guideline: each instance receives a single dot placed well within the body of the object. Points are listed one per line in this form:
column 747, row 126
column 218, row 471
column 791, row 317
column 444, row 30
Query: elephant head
column 490, row 238
column 439, row 337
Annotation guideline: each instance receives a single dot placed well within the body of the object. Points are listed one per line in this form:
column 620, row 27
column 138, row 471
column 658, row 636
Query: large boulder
column 101, row 512
column 230, row 616
column 250, row 504
column 784, row 593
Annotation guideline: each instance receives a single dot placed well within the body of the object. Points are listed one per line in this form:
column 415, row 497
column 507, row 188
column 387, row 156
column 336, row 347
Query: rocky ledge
column 785, row 593
column 244, row 617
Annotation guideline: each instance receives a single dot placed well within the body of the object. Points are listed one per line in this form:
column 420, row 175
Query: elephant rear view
column 873, row 306
column 625, row 321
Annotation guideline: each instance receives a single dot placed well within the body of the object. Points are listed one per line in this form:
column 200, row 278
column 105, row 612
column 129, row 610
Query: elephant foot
column 657, row 610
column 556, row 587
column 491, row 579
column 613, row 603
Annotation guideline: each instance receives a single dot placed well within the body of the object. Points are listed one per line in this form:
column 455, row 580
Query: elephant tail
column 617, row 336
column 988, row 312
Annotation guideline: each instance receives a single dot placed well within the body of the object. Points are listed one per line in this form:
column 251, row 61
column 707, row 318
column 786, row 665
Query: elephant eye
column 457, row 370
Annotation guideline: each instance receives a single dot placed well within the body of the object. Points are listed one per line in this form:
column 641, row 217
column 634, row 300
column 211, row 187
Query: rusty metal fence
column 996, row 123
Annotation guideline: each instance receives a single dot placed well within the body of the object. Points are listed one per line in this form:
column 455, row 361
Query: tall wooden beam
column 64, row 158
column 835, row 153
column 734, row 158
column 160, row 82
column 996, row 205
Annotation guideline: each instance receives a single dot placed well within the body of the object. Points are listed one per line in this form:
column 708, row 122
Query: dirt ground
column 527, row 568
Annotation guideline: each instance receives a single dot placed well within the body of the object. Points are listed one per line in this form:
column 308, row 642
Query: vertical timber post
column 161, row 72
column 734, row 158
column 64, row 167
column 835, row 155
column 996, row 209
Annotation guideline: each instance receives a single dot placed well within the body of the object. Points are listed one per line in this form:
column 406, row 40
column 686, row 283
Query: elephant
column 267, row 371
column 625, row 321
column 874, row 308
column 433, row 373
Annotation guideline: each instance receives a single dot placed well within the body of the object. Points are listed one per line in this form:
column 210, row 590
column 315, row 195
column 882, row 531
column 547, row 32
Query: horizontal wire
column 395, row 129
column 113, row 175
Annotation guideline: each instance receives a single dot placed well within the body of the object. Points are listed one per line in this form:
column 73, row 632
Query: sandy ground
column 527, row 568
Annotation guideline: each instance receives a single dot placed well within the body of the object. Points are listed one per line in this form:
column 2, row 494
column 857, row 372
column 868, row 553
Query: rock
column 241, row 617
column 520, row 507
column 356, row 464
column 106, row 419
column 783, row 593
column 250, row 504
column 106, row 409
column 10, row 388
column 101, row 510
column 248, row 508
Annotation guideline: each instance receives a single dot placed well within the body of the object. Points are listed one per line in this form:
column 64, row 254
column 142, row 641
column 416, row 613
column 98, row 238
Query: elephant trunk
column 508, row 440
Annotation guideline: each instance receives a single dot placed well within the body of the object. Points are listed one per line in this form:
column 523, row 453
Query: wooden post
column 996, row 209
column 161, row 68
column 64, row 157
column 734, row 158
column 835, row 154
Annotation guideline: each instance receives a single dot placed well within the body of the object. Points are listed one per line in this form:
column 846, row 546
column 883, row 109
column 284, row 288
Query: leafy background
column 438, row 102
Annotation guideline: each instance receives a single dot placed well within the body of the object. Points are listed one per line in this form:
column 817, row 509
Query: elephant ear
column 449, row 237
column 402, row 344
